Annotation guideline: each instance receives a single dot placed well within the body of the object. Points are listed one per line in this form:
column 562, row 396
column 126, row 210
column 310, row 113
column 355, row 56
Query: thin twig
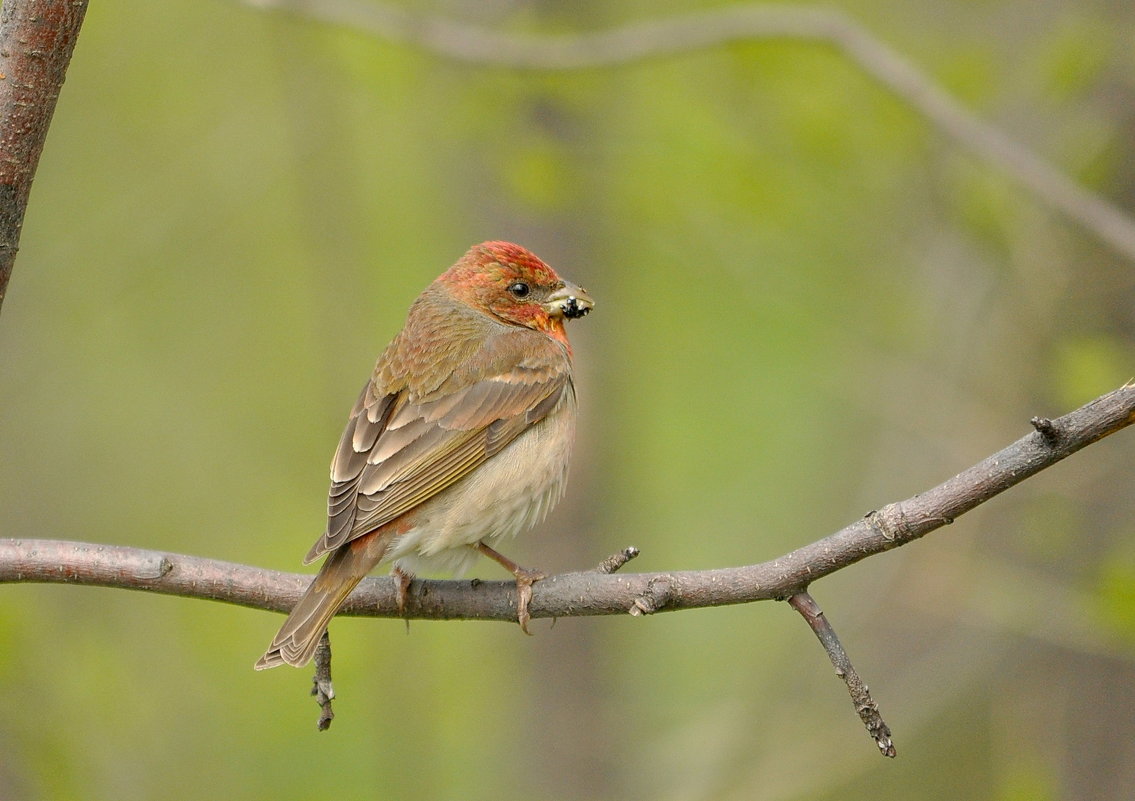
column 37, row 38
column 675, row 35
column 1046, row 428
column 321, row 682
column 589, row 592
column 616, row 560
column 861, row 698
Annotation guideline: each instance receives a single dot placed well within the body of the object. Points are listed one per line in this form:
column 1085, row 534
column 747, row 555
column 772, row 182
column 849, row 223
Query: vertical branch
column 321, row 682
column 37, row 38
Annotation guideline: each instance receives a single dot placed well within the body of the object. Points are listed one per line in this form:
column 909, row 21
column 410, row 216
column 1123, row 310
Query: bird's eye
column 519, row 289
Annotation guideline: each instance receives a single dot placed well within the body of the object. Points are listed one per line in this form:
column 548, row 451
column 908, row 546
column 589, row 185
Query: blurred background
column 811, row 302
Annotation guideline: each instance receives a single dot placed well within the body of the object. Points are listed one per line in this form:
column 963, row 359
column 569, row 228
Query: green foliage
column 1117, row 594
column 810, row 303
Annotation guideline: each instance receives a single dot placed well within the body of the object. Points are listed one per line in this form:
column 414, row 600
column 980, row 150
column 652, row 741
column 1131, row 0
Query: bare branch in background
column 637, row 41
column 37, row 38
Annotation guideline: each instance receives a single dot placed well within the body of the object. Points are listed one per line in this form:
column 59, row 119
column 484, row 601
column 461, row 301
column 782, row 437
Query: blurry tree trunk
column 37, row 38
column 566, row 678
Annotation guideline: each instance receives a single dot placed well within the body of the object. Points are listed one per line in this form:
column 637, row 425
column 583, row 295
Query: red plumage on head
column 492, row 262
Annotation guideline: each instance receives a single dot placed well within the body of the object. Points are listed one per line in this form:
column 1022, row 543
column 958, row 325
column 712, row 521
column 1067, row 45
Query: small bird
column 460, row 438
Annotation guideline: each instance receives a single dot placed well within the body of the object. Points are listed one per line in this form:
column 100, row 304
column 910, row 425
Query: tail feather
column 344, row 568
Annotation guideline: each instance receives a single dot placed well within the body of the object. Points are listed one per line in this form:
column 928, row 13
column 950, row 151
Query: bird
column 461, row 438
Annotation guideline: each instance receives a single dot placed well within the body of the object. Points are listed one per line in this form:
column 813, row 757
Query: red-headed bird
column 460, row 438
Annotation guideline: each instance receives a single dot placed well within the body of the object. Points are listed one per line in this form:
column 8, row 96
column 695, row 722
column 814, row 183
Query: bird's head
column 513, row 285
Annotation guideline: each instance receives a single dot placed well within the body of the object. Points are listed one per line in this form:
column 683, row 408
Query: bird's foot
column 403, row 581
column 525, row 578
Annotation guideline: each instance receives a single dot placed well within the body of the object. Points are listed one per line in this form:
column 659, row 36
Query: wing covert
column 398, row 450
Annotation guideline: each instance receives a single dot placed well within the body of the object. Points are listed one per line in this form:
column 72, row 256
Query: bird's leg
column 525, row 578
column 403, row 579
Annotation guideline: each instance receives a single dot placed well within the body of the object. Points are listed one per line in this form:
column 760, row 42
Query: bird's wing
column 398, row 450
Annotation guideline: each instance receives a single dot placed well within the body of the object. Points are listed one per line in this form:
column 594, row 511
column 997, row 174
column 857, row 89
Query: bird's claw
column 402, row 580
column 525, row 578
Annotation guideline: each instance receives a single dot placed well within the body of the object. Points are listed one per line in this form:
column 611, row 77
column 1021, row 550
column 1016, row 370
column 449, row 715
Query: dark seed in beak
column 573, row 310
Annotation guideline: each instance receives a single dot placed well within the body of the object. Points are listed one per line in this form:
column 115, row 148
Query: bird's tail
column 344, row 568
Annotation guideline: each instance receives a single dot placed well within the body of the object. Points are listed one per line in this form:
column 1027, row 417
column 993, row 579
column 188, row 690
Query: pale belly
column 511, row 492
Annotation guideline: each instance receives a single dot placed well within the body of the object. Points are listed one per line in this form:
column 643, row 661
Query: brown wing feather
column 401, row 448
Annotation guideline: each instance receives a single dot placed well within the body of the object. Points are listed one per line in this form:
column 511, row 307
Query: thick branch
column 592, row 592
column 37, row 38
column 685, row 33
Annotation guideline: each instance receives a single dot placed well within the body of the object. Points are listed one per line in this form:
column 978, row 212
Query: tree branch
column 599, row 591
column 37, row 38
column 591, row 592
column 861, row 699
column 697, row 31
column 321, row 682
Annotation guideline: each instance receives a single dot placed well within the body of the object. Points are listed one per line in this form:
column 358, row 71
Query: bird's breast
column 511, row 492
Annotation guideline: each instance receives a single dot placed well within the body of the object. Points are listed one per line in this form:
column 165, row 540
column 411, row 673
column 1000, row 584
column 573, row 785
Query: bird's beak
column 569, row 301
